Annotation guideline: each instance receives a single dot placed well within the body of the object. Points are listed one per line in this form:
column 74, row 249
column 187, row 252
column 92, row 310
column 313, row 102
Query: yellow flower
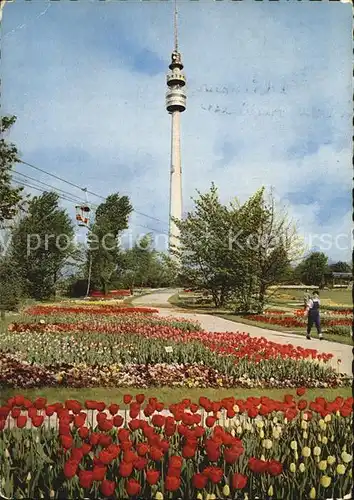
column 331, row 459
column 322, row 465
column 328, row 418
column 296, row 455
column 261, row 434
column 276, row 434
column 323, row 426
column 267, row 444
column 317, row 451
column 325, row 481
column 210, row 496
column 270, row 491
column 324, row 440
column 341, row 469
column 312, row 493
column 305, row 435
column 260, row 424
column 306, row 451
column 303, row 425
column 302, row 467
column 293, row 445
column 226, row 490
column 346, row 457
column 159, row 496
column 292, row 467
column 199, row 496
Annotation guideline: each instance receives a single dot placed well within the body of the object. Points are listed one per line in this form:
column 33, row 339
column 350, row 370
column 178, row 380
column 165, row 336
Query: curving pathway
column 159, row 299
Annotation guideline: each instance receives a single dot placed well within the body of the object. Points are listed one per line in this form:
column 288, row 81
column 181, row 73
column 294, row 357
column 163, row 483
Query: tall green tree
column 235, row 252
column 313, row 269
column 41, row 245
column 104, row 250
column 10, row 196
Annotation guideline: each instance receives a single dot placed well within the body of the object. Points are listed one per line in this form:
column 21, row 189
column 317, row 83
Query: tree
column 278, row 247
column 142, row 265
column 10, row 197
column 313, row 269
column 42, row 244
column 234, row 252
column 110, row 220
column 340, row 267
column 10, row 284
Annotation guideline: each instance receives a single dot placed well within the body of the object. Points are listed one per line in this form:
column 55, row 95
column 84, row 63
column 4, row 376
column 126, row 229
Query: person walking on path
column 313, row 315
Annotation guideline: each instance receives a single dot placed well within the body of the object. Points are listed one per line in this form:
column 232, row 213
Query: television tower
column 175, row 105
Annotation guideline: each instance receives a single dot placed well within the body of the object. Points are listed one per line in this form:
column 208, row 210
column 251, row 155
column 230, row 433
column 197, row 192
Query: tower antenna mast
column 176, row 27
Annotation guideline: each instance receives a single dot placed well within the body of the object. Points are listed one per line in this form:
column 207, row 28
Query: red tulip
column 113, row 409
column 21, row 421
column 132, row 487
column 66, row 442
column 107, row 488
column 37, row 420
column 98, row 474
column 85, row 479
column 125, row 469
column 274, row 468
column 127, row 398
column 199, row 481
column 140, row 398
column 70, row 468
column 172, row 483
column 239, row 481
column 152, row 476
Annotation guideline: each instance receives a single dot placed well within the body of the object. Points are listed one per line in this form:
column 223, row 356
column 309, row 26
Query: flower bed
column 91, row 350
column 230, row 448
column 297, row 319
column 88, row 309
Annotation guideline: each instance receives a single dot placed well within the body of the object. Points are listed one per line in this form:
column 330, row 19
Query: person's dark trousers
column 313, row 319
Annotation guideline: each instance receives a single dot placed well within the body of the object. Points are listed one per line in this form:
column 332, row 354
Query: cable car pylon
column 83, row 220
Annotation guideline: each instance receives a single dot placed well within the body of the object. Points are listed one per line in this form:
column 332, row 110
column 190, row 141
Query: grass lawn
column 167, row 395
column 341, row 296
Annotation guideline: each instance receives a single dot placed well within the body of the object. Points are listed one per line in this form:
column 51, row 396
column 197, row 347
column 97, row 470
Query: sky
column 269, row 104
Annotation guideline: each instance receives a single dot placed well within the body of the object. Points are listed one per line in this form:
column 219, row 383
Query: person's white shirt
column 311, row 302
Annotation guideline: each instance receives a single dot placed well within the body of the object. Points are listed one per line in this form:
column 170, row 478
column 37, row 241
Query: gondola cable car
column 83, row 212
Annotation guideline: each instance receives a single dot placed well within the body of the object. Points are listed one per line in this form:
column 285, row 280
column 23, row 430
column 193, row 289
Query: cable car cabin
column 82, row 215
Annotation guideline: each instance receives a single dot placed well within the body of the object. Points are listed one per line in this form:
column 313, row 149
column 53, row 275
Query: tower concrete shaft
column 175, row 105
column 176, row 179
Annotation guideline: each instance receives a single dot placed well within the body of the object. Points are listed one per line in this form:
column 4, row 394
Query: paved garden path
column 211, row 323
